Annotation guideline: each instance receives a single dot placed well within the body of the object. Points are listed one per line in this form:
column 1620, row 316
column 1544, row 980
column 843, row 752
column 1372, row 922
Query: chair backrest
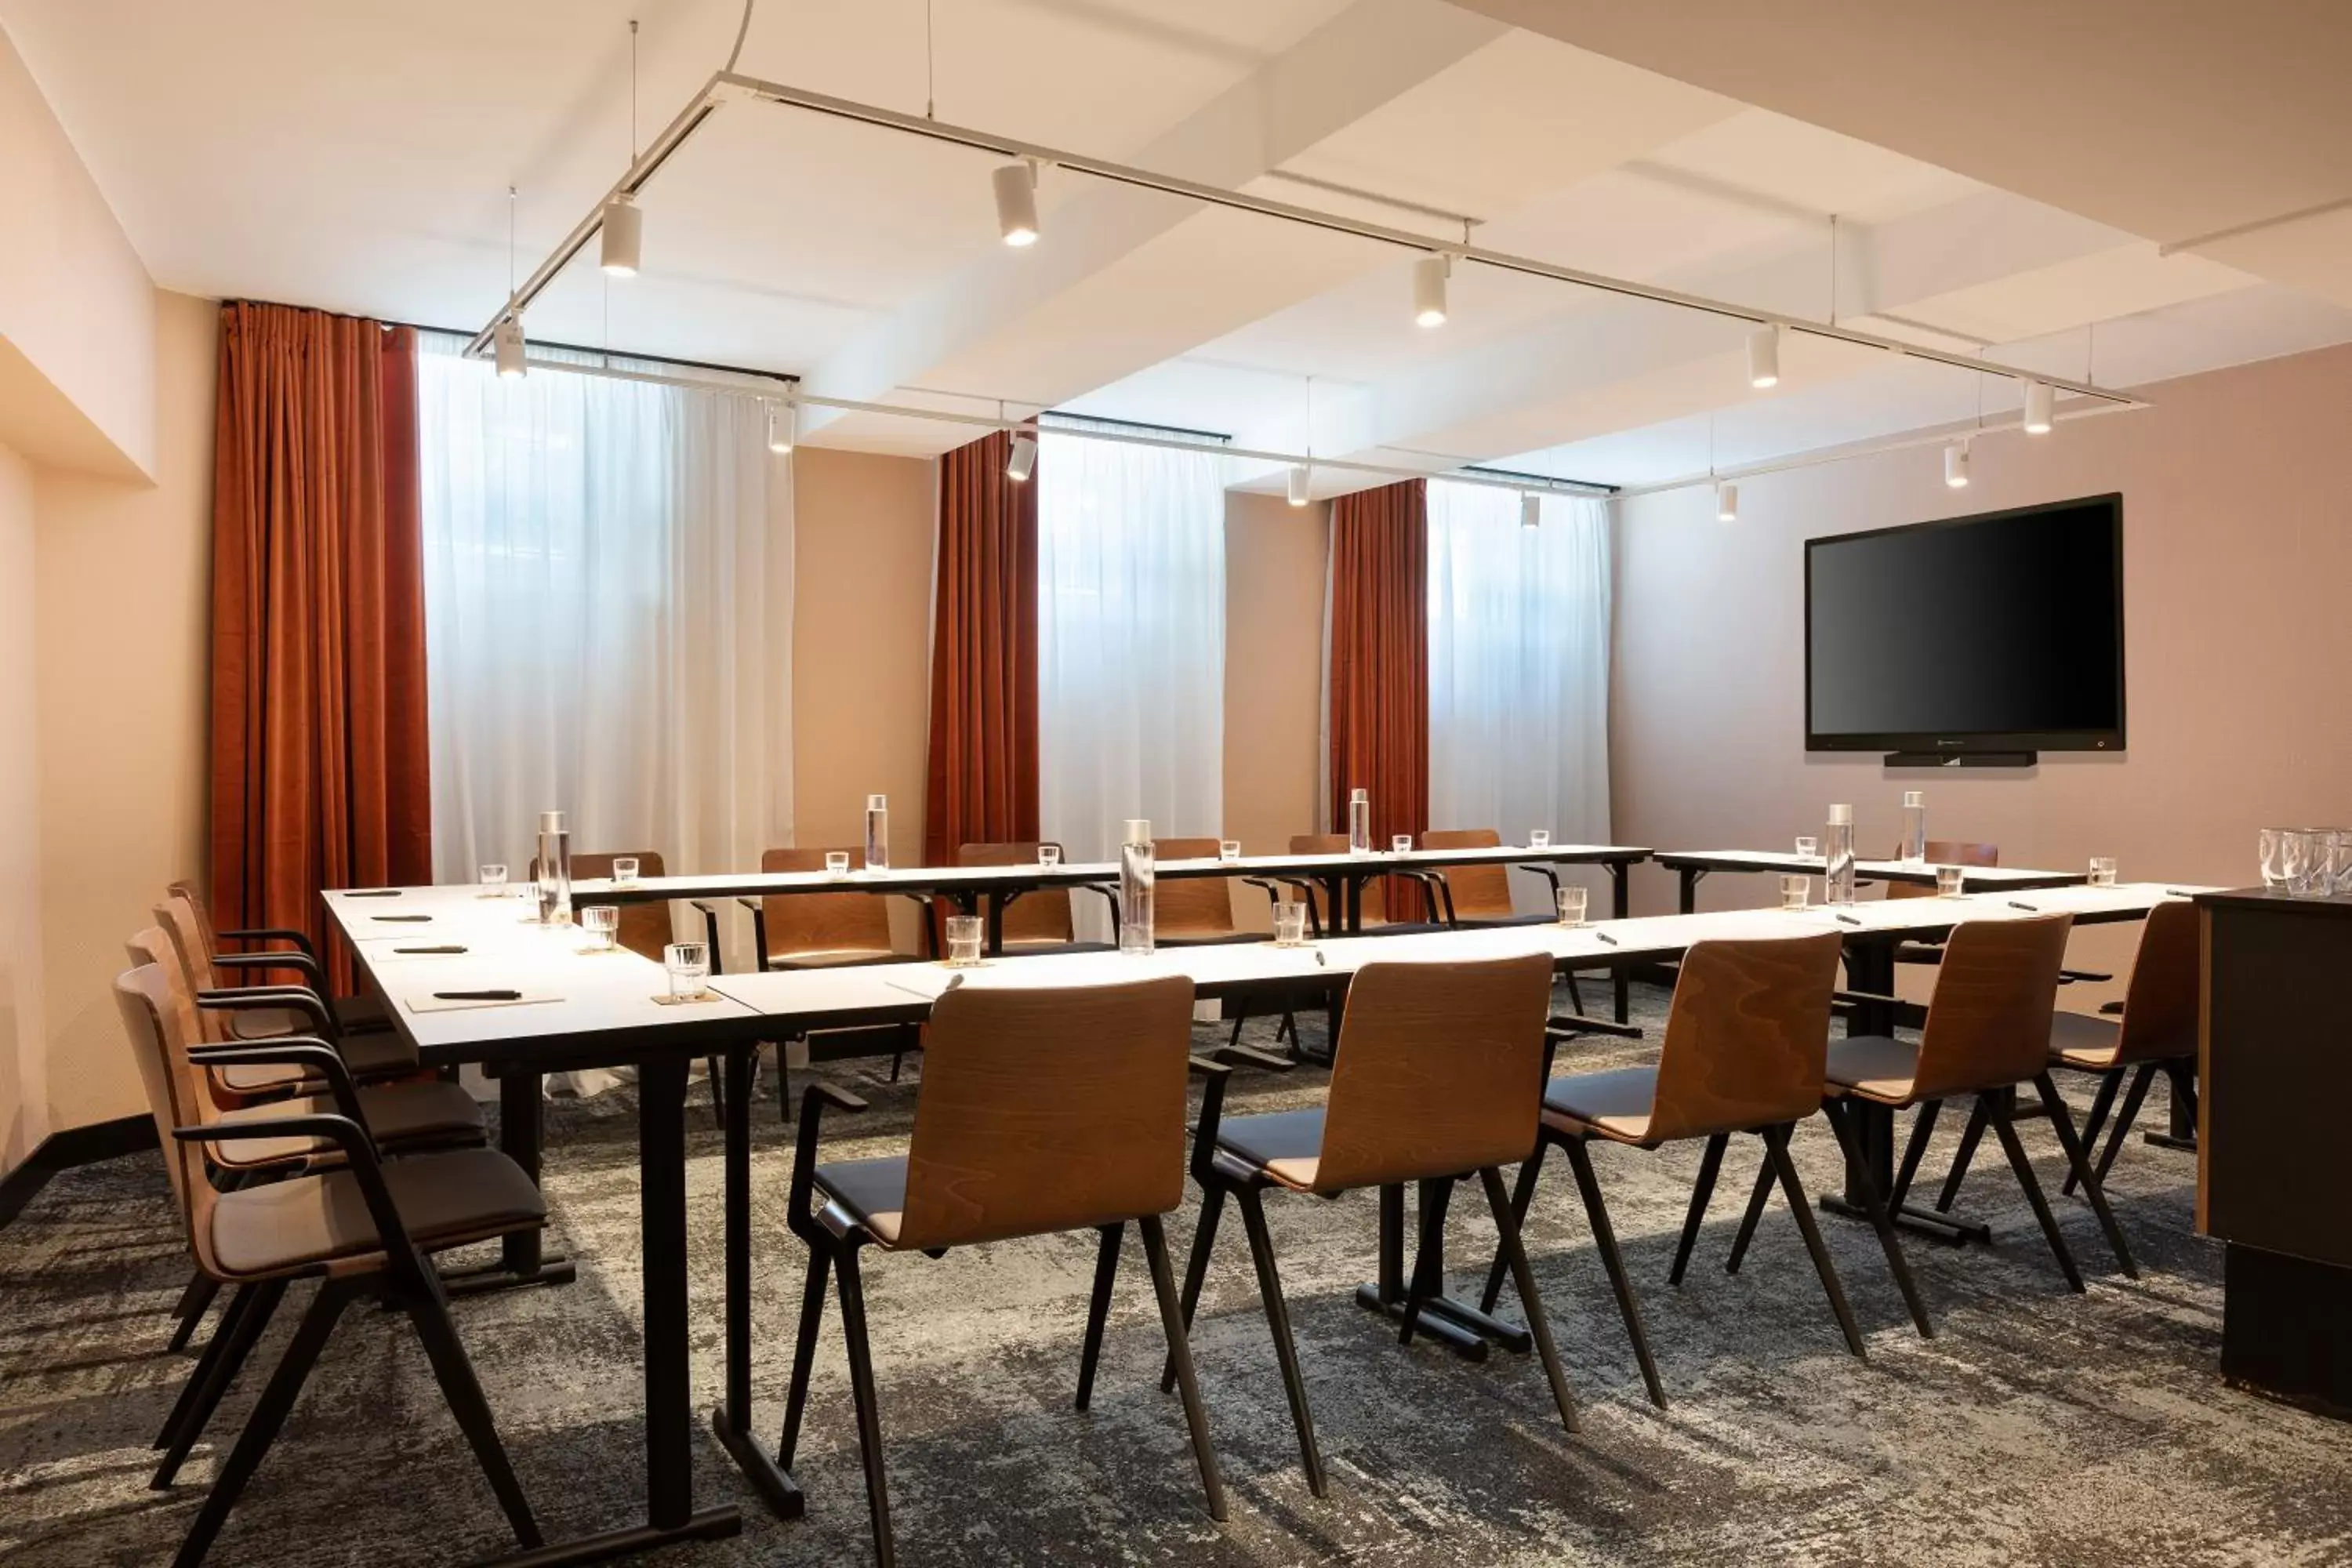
column 644, row 927
column 206, row 932
column 1946, row 852
column 822, row 922
column 1048, row 1110
column 1041, row 914
column 2163, row 997
column 1375, row 907
column 177, row 917
column 1477, row 892
column 1988, row 1021
column 1439, row 1070
column 1747, row 1040
column 1190, row 906
column 143, row 994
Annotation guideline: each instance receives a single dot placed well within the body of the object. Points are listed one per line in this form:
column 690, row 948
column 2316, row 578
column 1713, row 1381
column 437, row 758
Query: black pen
column 1849, row 920
column 2029, row 908
column 372, row 893
column 407, row 919
column 478, row 995
column 1604, row 936
column 448, row 947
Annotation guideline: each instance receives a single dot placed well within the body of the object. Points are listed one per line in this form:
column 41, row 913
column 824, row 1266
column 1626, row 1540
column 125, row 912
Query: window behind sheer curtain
column 608, row 607
column 1130, row 639
column 1518, row 668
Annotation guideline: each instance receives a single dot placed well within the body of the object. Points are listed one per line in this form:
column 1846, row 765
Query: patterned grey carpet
column 2039, row 1426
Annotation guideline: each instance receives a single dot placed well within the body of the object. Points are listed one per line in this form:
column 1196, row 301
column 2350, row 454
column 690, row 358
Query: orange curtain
column 981, row 782
column 1379, row 664
column 319, row 770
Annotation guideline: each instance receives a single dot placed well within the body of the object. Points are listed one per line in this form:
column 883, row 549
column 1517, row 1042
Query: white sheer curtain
column 608, row 617
column 1130, row 640
column 1518, row 668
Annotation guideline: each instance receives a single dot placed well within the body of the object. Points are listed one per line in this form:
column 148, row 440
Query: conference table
column 1693, row 866
column 574, row 1007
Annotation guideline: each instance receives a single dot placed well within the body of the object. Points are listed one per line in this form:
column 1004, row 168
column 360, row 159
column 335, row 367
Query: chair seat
column 873, row 1193
column 1285, row 1144
column 445, row 1200
column 2079, row 1041
column 1615, row 1104
column 373, row 1055
column 398, row 1115
column 837, row 958
column 1874, row 1067
column 362, row 1014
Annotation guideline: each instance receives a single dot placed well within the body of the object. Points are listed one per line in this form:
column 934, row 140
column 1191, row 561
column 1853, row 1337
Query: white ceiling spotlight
column 1956, row 465
column 1530, row 510
column 1726, row 501
column 1429, row 276
column 1302, row 480
column 1024, row 461
column 783, row 428
column 512, row 350
column 1764, row 358
column 1016, row 203
column 2041, row 404
column 624, row 227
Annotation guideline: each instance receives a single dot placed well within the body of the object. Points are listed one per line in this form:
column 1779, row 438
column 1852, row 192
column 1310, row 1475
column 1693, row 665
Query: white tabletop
column 1914, row 871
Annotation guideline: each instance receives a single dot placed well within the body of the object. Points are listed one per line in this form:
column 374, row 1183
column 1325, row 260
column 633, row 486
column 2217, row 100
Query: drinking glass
column 836, row 862
column 625, row 870
column 2102, row 871
column 494, row 882
column 2272, row 842
column 1951, row 881
column 1572, row 905
column 2303, row 861
column 1539, row 840
column 1796, row 892
column 1808, row 846
column 964, row 938
column 688, row 963
column 1229, row 849
column 2339, row 862
column 600, row 921
column 1401, row 843
column 1049, row 856
column 1289, row 925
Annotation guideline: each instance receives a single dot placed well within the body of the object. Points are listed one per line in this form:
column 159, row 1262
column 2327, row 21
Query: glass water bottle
column 1915, row 828
column 554, row 869
column 1360, row 822
column 1134, row 879
column 1837, row 850
column 877, row 832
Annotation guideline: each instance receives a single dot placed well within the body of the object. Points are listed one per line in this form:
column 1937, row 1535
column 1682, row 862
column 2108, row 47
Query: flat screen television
column 1973, row 639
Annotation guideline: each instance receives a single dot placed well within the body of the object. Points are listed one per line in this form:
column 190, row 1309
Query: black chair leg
column 1923, row 1127
column 2018, row 1162
column 1180, row 1351
column 429, row 1311
column 803, row 1356
column 194, row 1302
column 1098, row 1308
column 1969, row 1139
column 2182, row 1076
column 1775, row 1151
column 2079, row 1162
column 2142, row 1077
column 1196, row 1268
column 1881, row 1220
column 710, row 1066
column 1710, row 1165
column 1429, row 1256
column 2101, row 1104
column 869, row 1415
column 1277, row 1321
column 241, row 1328
column 1524, row 1278
column 1605, row 1236
column 1241, row 1016
column 269, row 1415
column 1522, row 1193
column 1575, row 998
column 1757, row 1198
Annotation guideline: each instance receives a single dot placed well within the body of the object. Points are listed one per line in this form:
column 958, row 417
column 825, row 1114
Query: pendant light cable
column 743, row 31
column 930, row 68
column 633, row 91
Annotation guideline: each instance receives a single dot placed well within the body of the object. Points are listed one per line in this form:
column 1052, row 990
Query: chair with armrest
column 1192, row 911
column 1041, row 1111
column 1037, row 920
column 1475, row 896
column 1988, row 1033
column 1374, row 906
column 1744, row 1053
column 1438, row 1077
column 646, row 928
column 295, row 956
column 368, row 1227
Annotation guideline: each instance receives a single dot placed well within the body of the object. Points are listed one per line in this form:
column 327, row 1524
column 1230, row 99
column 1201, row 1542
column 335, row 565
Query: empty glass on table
column 688, row 963
column 2271, row 843
column 1573, row 904
column 1808, row 846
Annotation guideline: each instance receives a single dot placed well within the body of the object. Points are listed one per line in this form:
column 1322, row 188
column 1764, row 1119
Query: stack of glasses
column 2307, row 862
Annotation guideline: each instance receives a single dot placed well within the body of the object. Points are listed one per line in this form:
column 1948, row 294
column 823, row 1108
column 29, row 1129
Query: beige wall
column 124, row 576
column 1273, row 652
column 2237, row 536
column 24, row 1103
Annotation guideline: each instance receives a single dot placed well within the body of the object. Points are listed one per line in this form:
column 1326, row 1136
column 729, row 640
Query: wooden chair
column 1323, row 921
column 1475, row 896
column 1438, row 1076
column 645, row 928
column 364, row 1229
column 1191, row 911
column 828, row 930
column 2157, row 1032
column 1988, row 1031
column 296, row 955
column 1034, row 921
column 1940, row 852
column 1744, row 1052
column 1041, row 1111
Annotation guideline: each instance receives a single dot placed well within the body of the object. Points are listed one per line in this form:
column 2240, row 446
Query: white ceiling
column 2001, row 188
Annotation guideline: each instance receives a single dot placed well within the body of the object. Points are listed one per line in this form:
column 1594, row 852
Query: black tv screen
column 1999, row 632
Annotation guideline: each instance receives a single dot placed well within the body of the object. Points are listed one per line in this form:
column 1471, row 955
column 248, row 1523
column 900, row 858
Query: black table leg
column 1690, row 876
column 522, row 1260
column 731, row 1422
column 1621, row 903
column 2180, row 1123
column 1463, row 1328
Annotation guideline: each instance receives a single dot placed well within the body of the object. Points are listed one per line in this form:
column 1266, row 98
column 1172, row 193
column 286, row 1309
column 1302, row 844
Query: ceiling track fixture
column 1532, row 510
column 1429, row 289
column 1764, row 358
column 725, row 85
column 2041, row 404
column 622, row 225
column 1956, row 465
column 1023, row 462
column 1726, row 501
column 783, row 428
column 1016, row 203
